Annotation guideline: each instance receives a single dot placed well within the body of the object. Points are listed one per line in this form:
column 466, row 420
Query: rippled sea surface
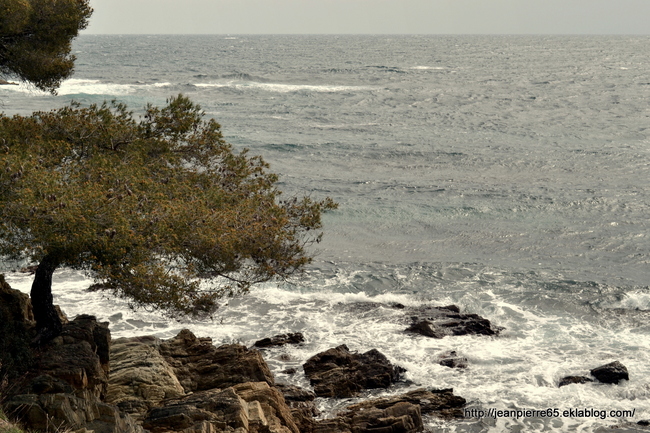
column 506, row 174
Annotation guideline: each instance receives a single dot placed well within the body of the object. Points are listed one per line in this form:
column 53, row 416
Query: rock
column 399, row 418
column 259, row 408
column 199, row 365
column 16, row 331
column 437, row 322
column 58, row 412
column 16, row 304
column 424, row 327
column 274, row 413
column 301, row 403
column 281, row 340
column 339, row 373
column 79, row 356
column 569, row 380
column 611, row 373
column 401, row 413
column 140, row 377
column 441, row 403
column 5, row 83
column 452, row 360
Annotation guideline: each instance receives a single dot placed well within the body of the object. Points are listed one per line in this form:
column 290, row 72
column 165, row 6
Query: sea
column 508, row 175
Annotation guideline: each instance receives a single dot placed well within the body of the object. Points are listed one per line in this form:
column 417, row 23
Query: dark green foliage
column 160, row 210
column 35, row 39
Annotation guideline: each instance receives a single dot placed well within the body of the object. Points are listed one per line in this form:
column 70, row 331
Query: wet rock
column 140, row 377
column 437, row 322
column 424, row 327
column 281, row 340
column 337, row 372
column 569, row 380
column 613, row 372
column 199, row 365
column 452, row 360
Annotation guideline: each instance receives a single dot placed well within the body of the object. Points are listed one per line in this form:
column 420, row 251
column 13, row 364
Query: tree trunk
column 48, row 323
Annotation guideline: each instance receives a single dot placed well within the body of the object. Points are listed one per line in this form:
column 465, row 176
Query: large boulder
column 337, row 372
column 438, row 322
column 613, row 372
column 66, row 383
column 244, row 408
column 140, row 377
column 199, row 365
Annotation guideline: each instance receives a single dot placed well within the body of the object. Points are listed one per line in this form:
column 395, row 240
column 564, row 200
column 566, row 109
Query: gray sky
column 371, row 16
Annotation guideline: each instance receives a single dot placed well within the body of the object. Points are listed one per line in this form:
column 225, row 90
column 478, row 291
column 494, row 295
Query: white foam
column 437, row 68
column 283, row 88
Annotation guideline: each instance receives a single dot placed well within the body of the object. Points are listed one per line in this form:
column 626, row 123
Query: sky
column 370, row 17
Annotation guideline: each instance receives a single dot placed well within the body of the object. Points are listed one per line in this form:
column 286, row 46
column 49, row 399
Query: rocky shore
column 84, row 381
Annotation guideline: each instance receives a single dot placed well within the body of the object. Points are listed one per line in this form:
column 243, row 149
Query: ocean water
column 508, row 175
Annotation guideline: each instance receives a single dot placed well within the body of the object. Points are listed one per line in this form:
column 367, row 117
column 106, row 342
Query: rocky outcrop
column 301, row 403
column 200, row 366
column 140, row 377
column 402, row 413
column 281, row 340
column 613, row 372
column 438, row 322
column 16, row 323
column 337, row 372
column 67, row 382
column 247, row 407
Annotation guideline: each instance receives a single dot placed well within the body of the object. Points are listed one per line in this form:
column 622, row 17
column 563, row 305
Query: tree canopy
column 160, row 209
column 36, row 36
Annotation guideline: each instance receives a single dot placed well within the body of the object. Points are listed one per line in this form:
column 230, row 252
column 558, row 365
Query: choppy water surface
column 507, row 175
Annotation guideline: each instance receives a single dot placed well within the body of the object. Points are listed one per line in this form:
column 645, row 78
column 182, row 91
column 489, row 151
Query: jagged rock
column 16, row 304
column 79, row 356
column 274, row 413
column 613, row 372
column 246, row 408
column 281, row 340
column 438, row 322
column 424, row 327
column 399, row 418
column 16, row 324
column 301, row 403
column 58, row 412
column 339, row 373
column 452, row 360
column 140, row 377
column 402, row 413
column 569, row 380
column 199, row 365
column 441, row 403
